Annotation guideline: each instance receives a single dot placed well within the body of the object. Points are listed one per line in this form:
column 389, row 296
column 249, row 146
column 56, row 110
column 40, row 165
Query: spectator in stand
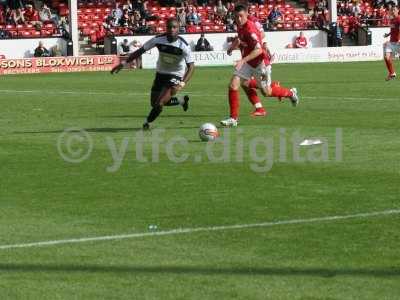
column 141, row 6
column 144, row 28
column 274, row 16
column 353, row 26
column 45, row 14
column 113, row 20
column 123, row 21
column 220, row 10
column 8, row 16
column 100, row 34
column 357, row 8
column 128, row 6
column 133, row 24
column 203, row 44
column 118, row 11
column 322, row 5
column 181, row 17
column 18, row 16
column 230, row 22
column 137, row 15
column 123, row 49
column 230, row 6
column 193, row 16
column 190, row 28
column 319, row 19
column 31, row 15
column 63, row 27
column 41, row 51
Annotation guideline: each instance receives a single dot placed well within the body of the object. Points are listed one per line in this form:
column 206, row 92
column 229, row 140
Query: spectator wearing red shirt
column 301, row 41
column 191, row 28
column 31, row 15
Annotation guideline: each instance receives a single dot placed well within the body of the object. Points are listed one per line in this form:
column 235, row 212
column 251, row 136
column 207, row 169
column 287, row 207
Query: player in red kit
column 393, row 46
column 254, row 64
column 250, row 31
column 273, row 88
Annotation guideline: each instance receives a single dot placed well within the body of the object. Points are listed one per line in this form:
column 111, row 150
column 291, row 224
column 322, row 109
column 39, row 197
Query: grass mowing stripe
column 200, row 229
column 189, row 93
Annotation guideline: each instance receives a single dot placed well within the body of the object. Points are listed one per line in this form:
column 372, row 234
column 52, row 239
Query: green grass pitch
column 44, row 198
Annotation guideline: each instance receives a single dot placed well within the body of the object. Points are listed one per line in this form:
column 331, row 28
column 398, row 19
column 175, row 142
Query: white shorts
column 390, row 47
column 261, row 73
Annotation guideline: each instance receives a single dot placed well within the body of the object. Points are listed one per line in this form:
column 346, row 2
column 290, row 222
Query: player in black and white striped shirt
column 174, row 69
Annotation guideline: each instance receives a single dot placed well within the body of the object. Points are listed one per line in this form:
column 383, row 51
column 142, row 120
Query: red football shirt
column 256, row 22
column 31, row 15
column 395, row 30
column 267, row 54
column 250, row 39
column 301, row 42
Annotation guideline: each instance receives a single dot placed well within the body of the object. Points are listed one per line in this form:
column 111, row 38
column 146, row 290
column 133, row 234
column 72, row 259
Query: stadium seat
column 27, row 33
column 287, row 26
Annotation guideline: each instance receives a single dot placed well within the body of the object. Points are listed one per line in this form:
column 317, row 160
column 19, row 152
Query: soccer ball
column 208, row 132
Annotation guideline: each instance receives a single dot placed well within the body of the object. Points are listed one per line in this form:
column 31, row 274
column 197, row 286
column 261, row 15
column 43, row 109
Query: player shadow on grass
column 181, row 116
column 260, row 271
column 104, row 129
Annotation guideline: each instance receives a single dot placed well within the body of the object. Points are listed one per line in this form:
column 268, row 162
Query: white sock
column 258, row 105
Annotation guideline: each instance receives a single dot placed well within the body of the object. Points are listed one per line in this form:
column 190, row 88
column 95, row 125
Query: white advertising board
column 331, row 54
column 205, row 58
column 311, row 55
column 24, row 48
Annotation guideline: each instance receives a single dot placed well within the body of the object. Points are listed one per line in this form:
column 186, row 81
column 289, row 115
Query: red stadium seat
column 86, row 31
column 288, row 26
column 218, row 28
column 26, row 34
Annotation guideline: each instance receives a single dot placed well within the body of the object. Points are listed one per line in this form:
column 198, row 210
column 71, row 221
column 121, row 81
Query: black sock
column 172, row 102
column 154, row 113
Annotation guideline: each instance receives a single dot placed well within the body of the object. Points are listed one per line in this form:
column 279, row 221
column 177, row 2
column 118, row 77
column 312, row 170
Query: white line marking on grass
column 193, row 94
column 200, row 229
